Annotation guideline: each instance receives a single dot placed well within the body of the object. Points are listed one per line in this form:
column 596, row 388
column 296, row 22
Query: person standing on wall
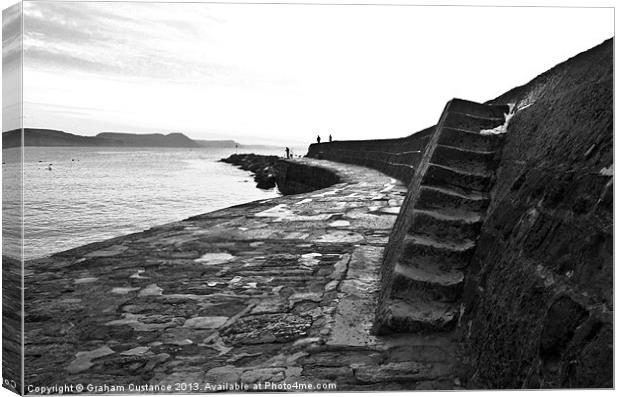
column 330, row 137
column 288, row 152
column 318, row 139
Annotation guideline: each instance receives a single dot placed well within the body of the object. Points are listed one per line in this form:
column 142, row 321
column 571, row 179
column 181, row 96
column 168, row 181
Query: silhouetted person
column 318, row 139
column 288, row 153
column 330, row 137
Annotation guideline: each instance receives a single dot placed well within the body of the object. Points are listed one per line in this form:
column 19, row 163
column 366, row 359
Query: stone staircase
column 439, row 223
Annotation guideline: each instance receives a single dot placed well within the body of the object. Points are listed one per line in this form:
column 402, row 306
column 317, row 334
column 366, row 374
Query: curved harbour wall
column 397, row 158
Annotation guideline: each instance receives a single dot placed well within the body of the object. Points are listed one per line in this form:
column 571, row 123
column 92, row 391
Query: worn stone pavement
column 282, row 290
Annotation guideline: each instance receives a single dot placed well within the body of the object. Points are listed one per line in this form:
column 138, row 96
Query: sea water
column 75, row 196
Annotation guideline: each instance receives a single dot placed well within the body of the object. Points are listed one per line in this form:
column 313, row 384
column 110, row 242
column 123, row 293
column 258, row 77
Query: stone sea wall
column 296, row 178
column 539, row 293
column 397, row 158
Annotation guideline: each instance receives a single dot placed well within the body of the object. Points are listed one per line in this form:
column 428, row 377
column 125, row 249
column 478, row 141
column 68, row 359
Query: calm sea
column 92, row 194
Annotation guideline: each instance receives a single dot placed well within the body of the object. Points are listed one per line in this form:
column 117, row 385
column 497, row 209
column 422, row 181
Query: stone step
column 435, row 197
column 469, row 140
column 439, row 175
column 478, row 109
column 471, row 122
column 448, row 253
column 418, row 316
column 427, row 282
column 447, row 224
column 464, row 159
column 467, row 150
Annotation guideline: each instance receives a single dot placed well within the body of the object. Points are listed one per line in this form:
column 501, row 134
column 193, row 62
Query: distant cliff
column 217, row 144
column 175, row 139
column 48, row 137
column 45, row 137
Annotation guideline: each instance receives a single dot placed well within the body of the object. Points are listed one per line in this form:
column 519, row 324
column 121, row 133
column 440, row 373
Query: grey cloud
column 11, row 21
column 54, row 30
column 106, row 39
column 11, row 59
column 147, row 64
column 122, row 40
column 95, row 22
column 64, row 61
column 81, row 13
column 11, row 37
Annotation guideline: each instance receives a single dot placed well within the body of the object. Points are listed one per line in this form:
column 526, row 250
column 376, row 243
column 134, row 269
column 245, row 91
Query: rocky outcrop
column 261, row 166
column 290, row 177
column 539, row 295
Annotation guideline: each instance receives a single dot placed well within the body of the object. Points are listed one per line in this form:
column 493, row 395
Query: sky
column 279, row 74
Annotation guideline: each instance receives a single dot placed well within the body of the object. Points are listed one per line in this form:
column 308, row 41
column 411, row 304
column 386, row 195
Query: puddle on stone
column 205, row 322
column 387, row 188
column 83, row 359
column 85, row 280
column 136, row 351
column 215, row 258
column 123, row 290
column 340, row 236
column 340, row 223
column 137, row 275
column 390, row 210
column 151, row 290
column 310, row 260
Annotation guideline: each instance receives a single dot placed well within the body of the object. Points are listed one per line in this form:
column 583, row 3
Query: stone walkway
column 279, row 291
